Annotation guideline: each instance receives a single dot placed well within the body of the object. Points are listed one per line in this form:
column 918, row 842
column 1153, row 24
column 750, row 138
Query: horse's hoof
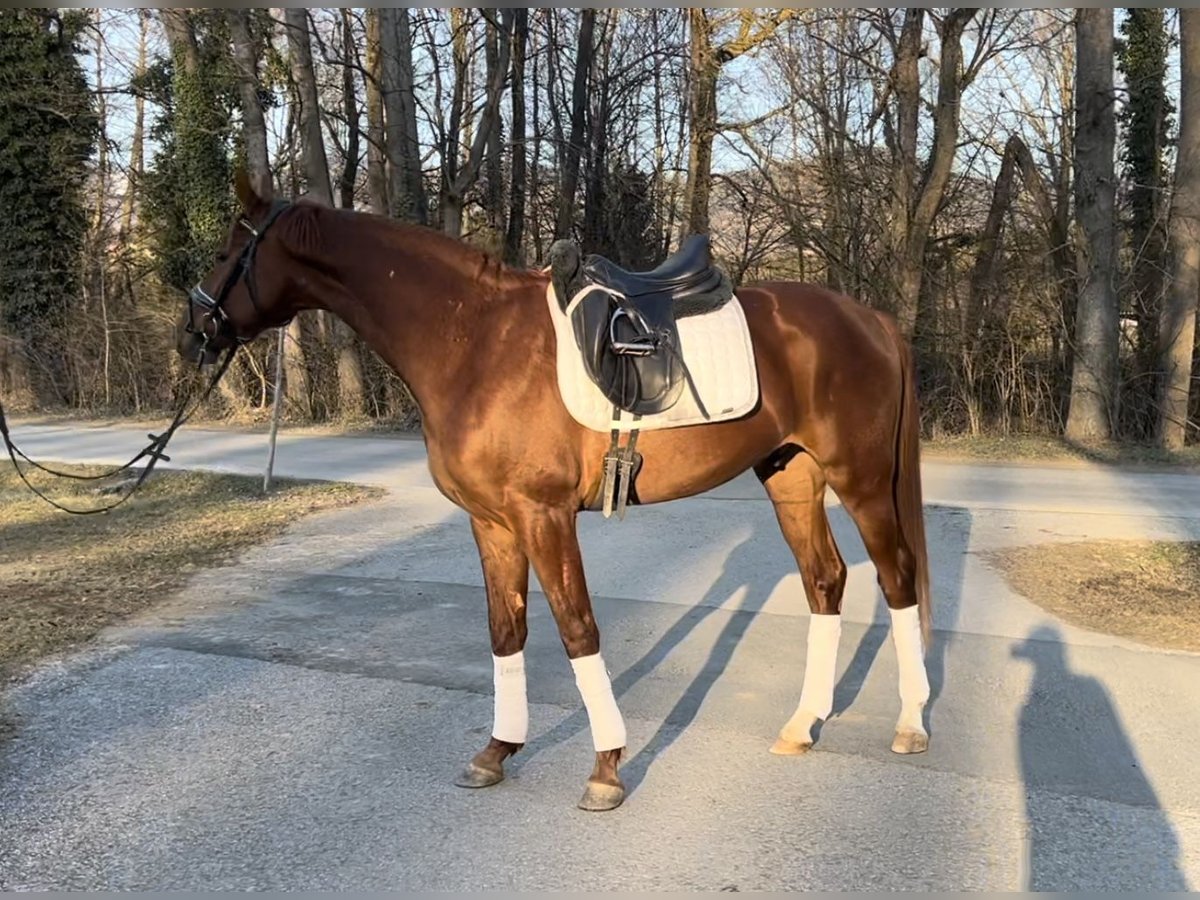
column 910, row 742
column 784, row 747
column 599, row 797
column 474, row 776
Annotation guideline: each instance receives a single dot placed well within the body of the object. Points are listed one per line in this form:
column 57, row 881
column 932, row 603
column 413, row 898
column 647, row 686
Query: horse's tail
column 906, row 483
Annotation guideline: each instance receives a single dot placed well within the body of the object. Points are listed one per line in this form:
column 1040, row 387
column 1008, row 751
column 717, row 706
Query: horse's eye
column 222, row 256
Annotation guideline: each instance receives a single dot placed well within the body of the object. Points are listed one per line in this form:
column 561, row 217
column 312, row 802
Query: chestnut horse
column 473, row 340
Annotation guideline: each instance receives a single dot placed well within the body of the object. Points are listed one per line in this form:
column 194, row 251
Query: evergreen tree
column 48, row 129
column 188, row 196
column 1145, row 120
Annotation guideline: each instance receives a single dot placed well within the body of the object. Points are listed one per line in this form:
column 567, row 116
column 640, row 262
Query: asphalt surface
column 296, row 720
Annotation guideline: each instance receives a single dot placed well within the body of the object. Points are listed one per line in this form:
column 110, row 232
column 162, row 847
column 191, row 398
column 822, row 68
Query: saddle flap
column 644, row 382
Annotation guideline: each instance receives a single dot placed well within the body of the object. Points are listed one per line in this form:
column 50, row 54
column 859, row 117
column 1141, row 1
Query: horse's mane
column 467, row 258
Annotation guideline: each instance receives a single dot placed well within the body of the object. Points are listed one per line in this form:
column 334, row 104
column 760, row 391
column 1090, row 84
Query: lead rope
column 155, row 450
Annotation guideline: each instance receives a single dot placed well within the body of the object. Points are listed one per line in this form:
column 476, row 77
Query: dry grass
column 63, row 578
column 1042, row 449
column 1147, row 591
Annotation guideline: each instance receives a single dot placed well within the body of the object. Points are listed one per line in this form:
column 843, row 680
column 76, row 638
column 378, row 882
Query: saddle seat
column 687, row 275
column 624, row 322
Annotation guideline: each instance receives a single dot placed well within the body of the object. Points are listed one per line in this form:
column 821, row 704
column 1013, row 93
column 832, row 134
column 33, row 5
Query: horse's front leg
column 506, row 576
column 549, row 537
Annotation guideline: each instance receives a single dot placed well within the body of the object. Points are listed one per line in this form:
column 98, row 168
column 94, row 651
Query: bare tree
column 1093, row 382
column 574, row 149
column 137, row 144
column 312, row 140
column 1177, row 333
column 493, row 162
column 707, row 60
column 254, row 129
column 457, row 179
column 350, row 383
column 254, row 132
column 516, row 203
column 915, row 204
column 376, row 154
column 403, row 152
column 349, row 175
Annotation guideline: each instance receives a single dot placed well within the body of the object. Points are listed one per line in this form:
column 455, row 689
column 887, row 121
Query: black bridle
column 222, row 327
column 214, row 312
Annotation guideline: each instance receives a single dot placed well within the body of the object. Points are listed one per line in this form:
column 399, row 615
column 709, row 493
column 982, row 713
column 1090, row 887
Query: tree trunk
column 295, row 355
column 376, row 155
column 706, row 63
column 102, row 131
column 516, row 203
column 412, row 148
column 574, row 148
column 255, row 128
column 702, row 118
column 351, row 391
column 535, row 220
column 906, row 88
column 1142, row 60
column 493, row 162
column 137, row 139
column 455, row 190
column 596, row 237
column 983, row 273
column 932, row 190
column 1177, row 332
column 1093, row 382
column 312, row 140
column 350, row 107
column 399, row 102
column 660, row 143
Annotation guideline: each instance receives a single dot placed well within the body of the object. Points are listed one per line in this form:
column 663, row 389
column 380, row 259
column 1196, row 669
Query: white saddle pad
column 716, row 347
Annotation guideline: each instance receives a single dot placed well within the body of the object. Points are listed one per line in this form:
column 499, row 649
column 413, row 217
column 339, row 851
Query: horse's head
column 244, row 293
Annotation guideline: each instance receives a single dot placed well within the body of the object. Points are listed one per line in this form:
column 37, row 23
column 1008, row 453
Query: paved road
column 296, row 720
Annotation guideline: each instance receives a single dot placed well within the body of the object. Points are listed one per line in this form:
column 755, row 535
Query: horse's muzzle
column 196, row 348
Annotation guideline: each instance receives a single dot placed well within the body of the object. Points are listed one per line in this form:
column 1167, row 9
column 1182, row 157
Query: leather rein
column 215, row 316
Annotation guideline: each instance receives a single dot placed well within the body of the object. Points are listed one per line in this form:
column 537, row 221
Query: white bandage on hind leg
column 910, row 661
column 511, row 707
column 591, row 677
column 820, row 671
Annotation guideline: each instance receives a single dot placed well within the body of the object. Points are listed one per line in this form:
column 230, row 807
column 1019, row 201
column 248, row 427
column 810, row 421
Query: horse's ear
column 253, row 191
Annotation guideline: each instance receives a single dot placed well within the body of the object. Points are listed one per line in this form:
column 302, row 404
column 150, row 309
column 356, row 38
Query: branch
column 745, row 41
column 468, row 173
column 752, row 123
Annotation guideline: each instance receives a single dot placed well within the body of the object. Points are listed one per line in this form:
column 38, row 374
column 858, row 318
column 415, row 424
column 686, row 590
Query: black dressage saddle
column 625, row 322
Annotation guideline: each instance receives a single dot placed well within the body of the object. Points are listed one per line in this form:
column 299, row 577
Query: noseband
column 214, row 313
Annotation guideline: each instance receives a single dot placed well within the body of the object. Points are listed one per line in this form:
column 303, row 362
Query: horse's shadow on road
column 744, row 572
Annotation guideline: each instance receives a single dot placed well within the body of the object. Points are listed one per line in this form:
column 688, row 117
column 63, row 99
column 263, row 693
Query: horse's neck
column 414, row 308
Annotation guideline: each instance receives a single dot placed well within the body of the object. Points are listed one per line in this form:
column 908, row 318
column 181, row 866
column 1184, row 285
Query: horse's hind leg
column 797, row 492
column 875, row 515
column 506, row 576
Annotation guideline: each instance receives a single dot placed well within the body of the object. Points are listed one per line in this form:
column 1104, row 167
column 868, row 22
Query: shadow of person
column 1094, row 822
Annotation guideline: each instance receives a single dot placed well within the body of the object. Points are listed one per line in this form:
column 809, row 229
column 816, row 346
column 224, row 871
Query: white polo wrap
column 511, row 706
column 910, row 661
column 820, row 666
column 591, row 677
